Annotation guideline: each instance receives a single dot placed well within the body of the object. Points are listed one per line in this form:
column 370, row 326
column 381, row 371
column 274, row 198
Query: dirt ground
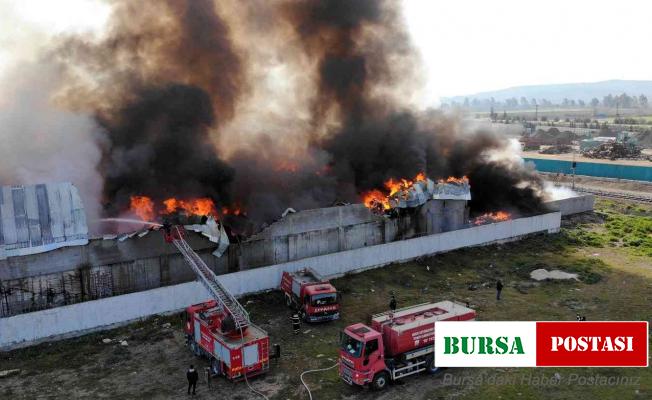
column 615, row 283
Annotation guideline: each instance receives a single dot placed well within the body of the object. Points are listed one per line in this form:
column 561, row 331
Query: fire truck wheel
column 216, row 366
column 430, row 366
column 380, row 381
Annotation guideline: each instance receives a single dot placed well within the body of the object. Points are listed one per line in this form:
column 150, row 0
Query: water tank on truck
column 396, row 345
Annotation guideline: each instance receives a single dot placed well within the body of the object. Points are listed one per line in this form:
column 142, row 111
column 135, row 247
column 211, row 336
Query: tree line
column 609, row 101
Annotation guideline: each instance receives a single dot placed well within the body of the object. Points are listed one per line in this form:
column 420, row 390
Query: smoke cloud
column 265, row 105
column 42, row 141
column 160, row 81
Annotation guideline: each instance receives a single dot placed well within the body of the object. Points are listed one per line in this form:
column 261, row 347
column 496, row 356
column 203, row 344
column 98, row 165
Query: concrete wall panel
column 573, row 205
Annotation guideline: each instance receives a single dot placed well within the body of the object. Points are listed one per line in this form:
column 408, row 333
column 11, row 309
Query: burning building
column 183, row 108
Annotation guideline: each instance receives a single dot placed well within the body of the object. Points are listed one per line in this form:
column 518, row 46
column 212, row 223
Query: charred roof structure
column 78, row 268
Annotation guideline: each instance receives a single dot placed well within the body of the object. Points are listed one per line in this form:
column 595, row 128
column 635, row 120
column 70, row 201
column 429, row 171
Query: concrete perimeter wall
column 573, row 205
column 73, row 320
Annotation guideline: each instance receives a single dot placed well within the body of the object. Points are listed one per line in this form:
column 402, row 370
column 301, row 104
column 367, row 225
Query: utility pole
column 536, row 112
column 573, row 166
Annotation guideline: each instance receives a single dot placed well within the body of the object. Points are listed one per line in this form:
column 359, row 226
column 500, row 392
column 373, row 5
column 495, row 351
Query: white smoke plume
column 41, row 142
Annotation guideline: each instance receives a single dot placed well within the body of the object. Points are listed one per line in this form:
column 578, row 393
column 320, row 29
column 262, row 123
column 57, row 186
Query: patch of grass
column 588, row 269
column 625, row 225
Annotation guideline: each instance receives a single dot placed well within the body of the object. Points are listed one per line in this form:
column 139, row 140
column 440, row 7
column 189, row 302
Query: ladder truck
column 396, row 345
column 220, row 329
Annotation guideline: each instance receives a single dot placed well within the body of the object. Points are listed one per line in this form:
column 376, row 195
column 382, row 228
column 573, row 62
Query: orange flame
column 143, row 207
column 376, row 200
column 395, row 186
column 286, row 166
column 379, row 201
column 490, row 218
column 451, row 179
column 233, row 211
column 199, row 206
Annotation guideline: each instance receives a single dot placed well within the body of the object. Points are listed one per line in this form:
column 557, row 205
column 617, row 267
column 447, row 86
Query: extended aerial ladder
column 225, row 300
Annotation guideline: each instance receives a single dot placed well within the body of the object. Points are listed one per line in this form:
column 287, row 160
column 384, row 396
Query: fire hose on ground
column 314, row 370
column 245, row 375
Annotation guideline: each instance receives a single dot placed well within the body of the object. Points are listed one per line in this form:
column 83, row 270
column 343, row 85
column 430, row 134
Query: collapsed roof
column 423, row 190
column 40, row 218
column 211, row 229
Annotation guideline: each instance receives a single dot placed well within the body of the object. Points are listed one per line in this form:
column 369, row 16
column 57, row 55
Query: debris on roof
column 423, row 190
column 39, row 218
column 289, row 210
column 215, row 232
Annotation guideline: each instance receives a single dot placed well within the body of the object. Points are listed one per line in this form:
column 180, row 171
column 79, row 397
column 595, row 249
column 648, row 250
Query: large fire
column 145, row 208
column 199, row 206
column 378, row 200
column 400, row 185
column 490, row 218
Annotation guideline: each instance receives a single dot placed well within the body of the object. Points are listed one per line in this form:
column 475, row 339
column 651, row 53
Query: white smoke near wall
column 554, row 192
column 41, row 142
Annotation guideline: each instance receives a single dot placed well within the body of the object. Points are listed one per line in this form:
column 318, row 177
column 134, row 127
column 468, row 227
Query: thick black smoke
column 160, row 147
column 164, row 76
column 378, row 137
column 169, row 77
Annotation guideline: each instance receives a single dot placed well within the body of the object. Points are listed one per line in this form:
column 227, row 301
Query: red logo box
column 592, row 344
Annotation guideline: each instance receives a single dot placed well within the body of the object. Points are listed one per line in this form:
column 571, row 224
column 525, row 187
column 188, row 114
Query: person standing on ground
column 296, row 323
column 392, row 301
column 499, row 288
column 192, row 375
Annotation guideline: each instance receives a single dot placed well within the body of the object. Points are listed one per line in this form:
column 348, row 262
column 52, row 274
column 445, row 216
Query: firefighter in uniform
column 296, row 323
column 192, row 377
column 392, row 302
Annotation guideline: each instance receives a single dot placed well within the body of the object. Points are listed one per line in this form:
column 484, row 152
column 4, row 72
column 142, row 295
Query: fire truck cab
column 314, row 297
column 396, row 345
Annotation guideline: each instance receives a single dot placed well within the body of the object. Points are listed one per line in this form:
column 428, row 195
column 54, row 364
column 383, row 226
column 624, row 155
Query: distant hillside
column 556, row 93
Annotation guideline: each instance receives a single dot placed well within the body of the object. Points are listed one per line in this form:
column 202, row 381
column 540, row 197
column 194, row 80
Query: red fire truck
column 314, row 297
column 398, row 344
column 232, row 353
column 220, row 329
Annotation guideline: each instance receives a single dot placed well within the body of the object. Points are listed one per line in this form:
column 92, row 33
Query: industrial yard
column 324, row 200
column 615, row 283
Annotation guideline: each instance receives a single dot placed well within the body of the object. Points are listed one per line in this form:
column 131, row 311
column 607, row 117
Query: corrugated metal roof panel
column 39, row 218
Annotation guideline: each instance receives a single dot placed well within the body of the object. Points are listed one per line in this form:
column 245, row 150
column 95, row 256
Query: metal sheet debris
column 424, row 190
column 39, row 218
column 215, row 232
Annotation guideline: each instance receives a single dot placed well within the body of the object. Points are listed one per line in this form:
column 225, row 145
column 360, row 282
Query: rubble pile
column 613, row 151
column 557, row 149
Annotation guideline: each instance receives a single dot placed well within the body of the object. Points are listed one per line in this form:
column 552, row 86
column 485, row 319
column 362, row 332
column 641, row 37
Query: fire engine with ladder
column 220, row 329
